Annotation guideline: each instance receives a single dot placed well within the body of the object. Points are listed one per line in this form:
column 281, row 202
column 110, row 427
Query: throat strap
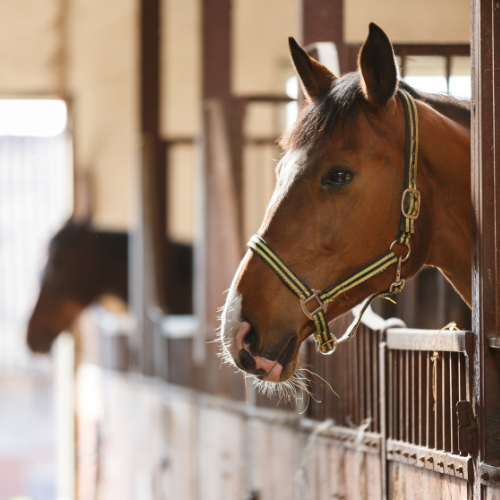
column 314, row 302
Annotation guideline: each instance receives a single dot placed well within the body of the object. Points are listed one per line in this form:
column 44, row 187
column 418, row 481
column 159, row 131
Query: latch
column 467, row 428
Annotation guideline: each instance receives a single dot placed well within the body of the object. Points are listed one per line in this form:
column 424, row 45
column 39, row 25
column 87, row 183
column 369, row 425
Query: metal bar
column 420, row 402
column 361, row 365
column 376, row 381
column 356, row 382
column 401, row 396
column 414, row 392
column 368, row 383
column 385, row 371
column 428, row 340
column 447, row 446
column 454, row 396
column 407, row 395
column 391, row 395
column 429, row 443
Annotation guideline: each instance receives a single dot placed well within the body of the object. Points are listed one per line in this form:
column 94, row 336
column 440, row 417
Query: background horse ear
column 313, row 76
column 378, row 67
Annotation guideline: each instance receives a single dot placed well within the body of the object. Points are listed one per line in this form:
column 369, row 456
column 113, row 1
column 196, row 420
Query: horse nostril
column 251, row 339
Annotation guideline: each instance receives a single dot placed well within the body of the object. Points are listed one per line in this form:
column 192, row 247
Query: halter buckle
column 321, row 306
column 415, row 192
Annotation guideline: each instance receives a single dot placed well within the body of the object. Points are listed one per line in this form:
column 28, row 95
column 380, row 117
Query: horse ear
column 378, row 67
column 313, row 76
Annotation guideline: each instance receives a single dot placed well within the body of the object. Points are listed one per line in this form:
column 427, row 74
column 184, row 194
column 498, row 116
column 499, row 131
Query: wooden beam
column 323, row 21
column 486, row 225
column 148, row 247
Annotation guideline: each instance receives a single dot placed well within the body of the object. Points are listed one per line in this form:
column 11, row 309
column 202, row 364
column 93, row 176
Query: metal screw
column 397, row 451
column 406, row 454
column 440, row 464
column 422, row 459
column 414, row 456
column 460, row 470
column 485, row 476
column 430, row 460
column 451, row 466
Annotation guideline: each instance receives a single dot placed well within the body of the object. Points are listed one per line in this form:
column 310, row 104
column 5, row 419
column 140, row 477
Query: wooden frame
column 485, row 31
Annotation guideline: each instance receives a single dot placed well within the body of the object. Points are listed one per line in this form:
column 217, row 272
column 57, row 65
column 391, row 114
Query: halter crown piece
column 326, row 342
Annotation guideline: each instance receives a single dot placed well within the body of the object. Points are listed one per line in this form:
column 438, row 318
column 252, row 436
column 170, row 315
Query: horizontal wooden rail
column 426, row 458
column 429, row 340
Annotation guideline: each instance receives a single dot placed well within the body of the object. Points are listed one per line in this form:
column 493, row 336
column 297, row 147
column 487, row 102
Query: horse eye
column 338, row 177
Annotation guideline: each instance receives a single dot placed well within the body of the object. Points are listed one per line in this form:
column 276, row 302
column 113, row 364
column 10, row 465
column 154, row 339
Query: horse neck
column 112, row 261
column 445, row 154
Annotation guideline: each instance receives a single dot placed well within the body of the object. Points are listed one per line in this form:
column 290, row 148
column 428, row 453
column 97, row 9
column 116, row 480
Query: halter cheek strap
column 326, row 342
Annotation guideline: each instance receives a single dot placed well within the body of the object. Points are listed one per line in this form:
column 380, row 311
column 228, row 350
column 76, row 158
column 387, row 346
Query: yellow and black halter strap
column 410, row 206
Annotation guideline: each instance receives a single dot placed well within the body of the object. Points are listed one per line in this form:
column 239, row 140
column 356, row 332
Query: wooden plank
column 323, row 21
column 408, row 482
column 485, row 170
column 429, row 340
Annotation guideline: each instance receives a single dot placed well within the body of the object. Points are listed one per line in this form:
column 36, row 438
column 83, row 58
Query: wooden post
column 218, row 248
column 148, row 243
column 323, row 21
column 486, row 228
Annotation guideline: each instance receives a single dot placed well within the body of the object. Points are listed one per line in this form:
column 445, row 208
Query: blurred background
column 137, row 154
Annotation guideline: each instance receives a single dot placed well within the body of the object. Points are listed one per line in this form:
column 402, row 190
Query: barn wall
column 201, row 446
column 406, row 481
column 31, row 52
column 422, row 21
column 103, row 85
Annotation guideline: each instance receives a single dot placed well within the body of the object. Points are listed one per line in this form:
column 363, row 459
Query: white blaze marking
column 290, row 166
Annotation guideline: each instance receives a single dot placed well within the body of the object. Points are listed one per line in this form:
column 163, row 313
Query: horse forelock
column 318, row 118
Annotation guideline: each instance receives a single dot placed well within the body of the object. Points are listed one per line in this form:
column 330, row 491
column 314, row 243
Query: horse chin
column 40, row 344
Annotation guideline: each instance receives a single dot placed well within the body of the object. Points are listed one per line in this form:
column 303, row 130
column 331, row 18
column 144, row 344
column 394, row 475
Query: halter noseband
column 410, row 208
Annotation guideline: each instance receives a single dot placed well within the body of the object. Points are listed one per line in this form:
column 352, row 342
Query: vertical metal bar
column 384, row 372
column 455, row 396
column 361, row 368
column 375, row 375
column 427, row 399
column 356, row 380
column 420, row 402
column 369, row 361
column 401, row 396
column 407, row 395
column 390, row 395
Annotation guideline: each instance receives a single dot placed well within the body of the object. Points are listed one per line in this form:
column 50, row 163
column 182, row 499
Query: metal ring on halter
column 333, row 339
column 405, row 244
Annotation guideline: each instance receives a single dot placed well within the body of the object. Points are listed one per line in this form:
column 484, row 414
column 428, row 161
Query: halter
column 326, row 342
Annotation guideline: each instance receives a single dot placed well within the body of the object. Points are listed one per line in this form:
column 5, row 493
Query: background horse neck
column 111, row 257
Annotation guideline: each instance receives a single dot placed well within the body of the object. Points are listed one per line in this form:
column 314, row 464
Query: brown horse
column 84, row 264
column 337, row 205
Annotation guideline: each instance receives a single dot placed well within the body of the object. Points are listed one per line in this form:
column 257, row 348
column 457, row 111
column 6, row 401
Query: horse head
column 336, row 207
column 70, row 282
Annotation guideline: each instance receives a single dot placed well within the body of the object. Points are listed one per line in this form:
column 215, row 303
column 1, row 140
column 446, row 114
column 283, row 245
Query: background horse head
column 337, row 204
column 82, row 265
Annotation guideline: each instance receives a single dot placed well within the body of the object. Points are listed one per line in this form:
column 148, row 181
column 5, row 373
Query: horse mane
column 344, row 99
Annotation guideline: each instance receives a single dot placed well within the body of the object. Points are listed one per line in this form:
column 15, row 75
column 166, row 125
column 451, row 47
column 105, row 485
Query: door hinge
column 467, row 428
